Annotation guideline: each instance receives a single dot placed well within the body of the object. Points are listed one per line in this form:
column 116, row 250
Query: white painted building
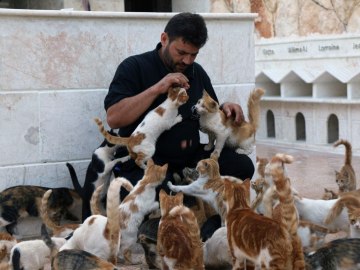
column 313, row 90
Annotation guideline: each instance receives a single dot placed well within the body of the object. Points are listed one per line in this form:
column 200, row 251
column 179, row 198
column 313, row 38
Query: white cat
column 141, row 143
column 216, row 250
column 138, row 203
column 100, row 235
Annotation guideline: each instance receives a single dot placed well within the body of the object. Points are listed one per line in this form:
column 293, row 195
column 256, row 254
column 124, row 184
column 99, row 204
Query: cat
column 338, row 254
column 316, row 210
column 21, row 201
column 57, row 230
column 99, row 171
column 269, row 244
column 208, row 187
column 216, row 250
column 98, row 234
column 259, row 185
column 312, row 235
column 73, row 259
column 352, row 203
column 223, row 130
column 346, row 178
column 7, row 241
column 329, row 194
column 141, row 143
column 287, row 214
column 178, row 238
column 33, row 254
column 140, row 202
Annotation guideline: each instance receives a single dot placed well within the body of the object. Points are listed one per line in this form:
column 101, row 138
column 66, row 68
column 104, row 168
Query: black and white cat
column 99, row 172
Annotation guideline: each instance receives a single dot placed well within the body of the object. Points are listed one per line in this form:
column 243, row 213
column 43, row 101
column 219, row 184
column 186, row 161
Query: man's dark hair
column 188, row 26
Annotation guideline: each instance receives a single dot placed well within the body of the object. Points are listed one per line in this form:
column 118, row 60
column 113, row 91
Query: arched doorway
column 333, row 128
column 270, row 124
column 300, row 127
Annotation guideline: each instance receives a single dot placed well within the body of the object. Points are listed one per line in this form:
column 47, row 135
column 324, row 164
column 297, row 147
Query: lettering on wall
column 297, row 49
column 268, row 52
column 325, row 48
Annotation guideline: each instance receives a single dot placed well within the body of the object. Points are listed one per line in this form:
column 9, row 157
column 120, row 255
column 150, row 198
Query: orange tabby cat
column 257, row 238
column 346, row 178
column 141, row 143
column 178, row 240
column 222, row 130
column 287, row 214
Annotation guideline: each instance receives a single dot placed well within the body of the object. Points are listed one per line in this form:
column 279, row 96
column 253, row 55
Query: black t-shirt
column 139, row 72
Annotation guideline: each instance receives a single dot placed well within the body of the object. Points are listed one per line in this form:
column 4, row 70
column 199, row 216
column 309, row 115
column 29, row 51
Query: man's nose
column 188, row 59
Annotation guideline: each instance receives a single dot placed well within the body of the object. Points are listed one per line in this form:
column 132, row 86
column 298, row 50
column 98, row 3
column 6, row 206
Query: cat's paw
column 178, row 118
column 171, row 186
column 242, row 151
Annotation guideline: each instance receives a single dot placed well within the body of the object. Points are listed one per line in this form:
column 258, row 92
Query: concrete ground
column 310, row 173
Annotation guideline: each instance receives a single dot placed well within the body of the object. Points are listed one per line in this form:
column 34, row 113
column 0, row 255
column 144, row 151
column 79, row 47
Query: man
column 141, row 83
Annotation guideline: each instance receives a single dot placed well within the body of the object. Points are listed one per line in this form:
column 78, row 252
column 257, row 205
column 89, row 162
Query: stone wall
column 56, row 67
column 282, row 18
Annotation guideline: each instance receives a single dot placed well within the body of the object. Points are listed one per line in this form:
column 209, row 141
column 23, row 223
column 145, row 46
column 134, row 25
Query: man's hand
column 233, row 110
column 172, row 79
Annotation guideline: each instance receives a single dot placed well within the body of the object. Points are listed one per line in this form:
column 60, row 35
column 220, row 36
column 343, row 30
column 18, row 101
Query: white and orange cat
column 141, row 143
column 137, row 204
column 222, row 130
column 268, row 245
column 178, row 238
column 98, row 234
column 352, row 203
column 208, row 187
column 346, row 178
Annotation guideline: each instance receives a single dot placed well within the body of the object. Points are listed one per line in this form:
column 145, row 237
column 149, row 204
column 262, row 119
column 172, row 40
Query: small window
column 333, row 128
column 270, row 124
column 300, row 127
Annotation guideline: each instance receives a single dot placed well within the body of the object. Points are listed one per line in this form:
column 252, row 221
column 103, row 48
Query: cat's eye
column 352, row 222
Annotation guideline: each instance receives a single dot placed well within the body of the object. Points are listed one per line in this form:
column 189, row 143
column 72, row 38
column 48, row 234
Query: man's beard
column 169, row 62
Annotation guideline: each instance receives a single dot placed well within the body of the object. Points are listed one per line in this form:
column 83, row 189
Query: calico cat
column 269, row 244
column 22, row 201
column 7, row 241
column 345, row 178
column 141, row 143
column 178, row 238
column 57, row 230
column 208, row 187
column 352, row 203
column 99, row 172
column 338, row 254
column 287, row 214
column 100, row 235
column 137, row 204
column 223, row 130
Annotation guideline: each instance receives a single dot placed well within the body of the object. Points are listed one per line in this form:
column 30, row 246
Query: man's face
column 178, row 55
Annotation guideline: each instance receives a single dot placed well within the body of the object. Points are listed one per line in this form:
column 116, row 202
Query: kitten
column 337, row 254
column 345, row 178
column 223, row 130
column 100, row 235
column 352, row 203
column 57, row 230
column 99, row 172
column 329, row 194
column 287, row 214
column 268, row 244
column 22, row 201
column 141, row 143
column 178, row 238
column 33, row 254
column 216, row 250
column 137, row 204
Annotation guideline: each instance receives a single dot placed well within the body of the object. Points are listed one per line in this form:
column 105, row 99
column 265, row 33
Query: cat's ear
column 179, row 197
column 246, row 183
column 162, row 194
column 165, row 167
column 205, row 94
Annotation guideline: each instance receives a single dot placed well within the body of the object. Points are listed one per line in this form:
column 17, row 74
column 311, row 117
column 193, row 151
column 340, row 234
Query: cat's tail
column 254, row 107
column 48, row 241
column 348, row 201
column 348, row 150
column 74, row 180
column 113, row 215
column 110, row 138
column 44, row 213
column 95, row 201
